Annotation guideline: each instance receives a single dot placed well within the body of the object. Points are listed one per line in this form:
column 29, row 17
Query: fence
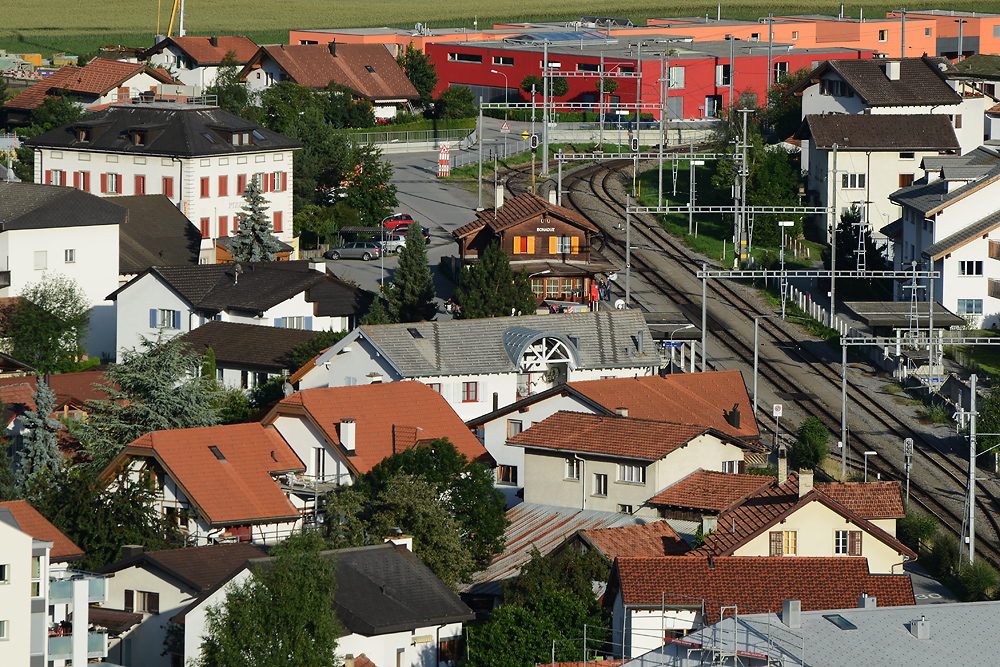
column 410, row 136
column 510, row 148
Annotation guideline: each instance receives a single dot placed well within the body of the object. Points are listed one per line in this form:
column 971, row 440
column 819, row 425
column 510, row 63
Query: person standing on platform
column 594, row 295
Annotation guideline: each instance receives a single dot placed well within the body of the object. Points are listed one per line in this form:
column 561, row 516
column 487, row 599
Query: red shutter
column 277, row 221
column 284, row 181
column 48, row 177
column 204, row 228
column 168, row 187
column 204, row 187
column 854, row 543
column 241, row 184
column 777, row 547
column 62, row 178
column 223, row 186
column 86, row 181
column 76, row 180
column 140, row 185
column 223, row 224
column 104, row 182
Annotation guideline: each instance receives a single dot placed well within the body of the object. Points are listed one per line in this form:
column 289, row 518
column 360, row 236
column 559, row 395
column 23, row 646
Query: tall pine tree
column 254, row 240
column 40, row 455
column 411, row 298
column 490, row 288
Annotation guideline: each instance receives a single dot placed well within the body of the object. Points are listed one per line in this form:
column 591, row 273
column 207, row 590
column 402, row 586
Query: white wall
column 132, row 311
column 638, row 631
column 264, row 76
column 419, row 647
column 174, row 59
column 196, row 623
column 305, row 439
column 15, row 596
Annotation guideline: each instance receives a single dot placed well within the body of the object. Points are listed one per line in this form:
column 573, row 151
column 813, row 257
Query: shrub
column 978, row 581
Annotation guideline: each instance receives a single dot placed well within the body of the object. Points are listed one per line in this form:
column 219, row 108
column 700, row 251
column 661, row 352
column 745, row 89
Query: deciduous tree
column 233, row 95
column 280, row 616
column 254, row 240
column 411, row 298
column 370, row 190
column 302, row 353
column 420, row 71
column 455, row 102
column 48, row 323
column 490, row 288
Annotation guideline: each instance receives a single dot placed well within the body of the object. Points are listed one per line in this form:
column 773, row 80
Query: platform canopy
column 897, row 314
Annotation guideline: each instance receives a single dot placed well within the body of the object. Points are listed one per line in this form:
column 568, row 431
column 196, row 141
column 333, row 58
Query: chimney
column 921, row 629
column 214, row 41
column 396, row 537
column 891, row 69
column 866, row 601
column 805, row 481
column 639, row 342
column 782, row 465
column 709, row 524
column 129, row 550
column 349, row 660
column 499, row 197
column 791, row 613
column 552, row 196
column 621, row 412
column 346, row 433
column 333, row 48
column 733, row 416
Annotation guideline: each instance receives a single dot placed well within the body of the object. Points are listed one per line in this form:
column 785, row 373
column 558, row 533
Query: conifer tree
column 40, row 456
column 254, row 240
column 411, row 298
column 490, row 288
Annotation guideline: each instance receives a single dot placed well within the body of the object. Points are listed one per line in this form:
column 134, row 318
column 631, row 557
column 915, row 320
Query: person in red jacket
column 594, row 295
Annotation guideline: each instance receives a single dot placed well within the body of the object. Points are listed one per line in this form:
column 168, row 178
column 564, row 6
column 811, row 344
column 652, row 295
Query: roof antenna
column 238, row 270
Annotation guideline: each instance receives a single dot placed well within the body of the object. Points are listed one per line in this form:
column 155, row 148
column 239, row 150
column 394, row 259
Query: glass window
column 883, row 35
column 464, row 58
column 632, row 473
column 165, row 319
column 730, row 467
column 852, row 181
column 41, row 260
column 600, row 484
column 70, row 255
column 573, row 468
column 436, row 386
column 970, row 268
column 293, row 322
column 970, row 306
column 790, row 542
column 513, row 427
column 4, row 574
column 840, row 542
column 506, row 61
column 506, row 474
column 470, row 392
column 624, row 509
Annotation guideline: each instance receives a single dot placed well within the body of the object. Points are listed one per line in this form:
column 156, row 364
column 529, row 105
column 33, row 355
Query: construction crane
column 178, row 8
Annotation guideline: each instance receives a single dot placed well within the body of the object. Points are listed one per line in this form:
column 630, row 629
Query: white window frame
column 976, row 266
column 41, row 260
column 841, row 542
column 165, row 318
column 57, row 177
column 503, row 61
column 5, row 573
column 964, row 304
column 70, row 255
column 730, row 467
column 676, row 78
column 883, row 35
column 790, row 542
column 4, row 630
column 631, row 474
column 853, row 181
column 293, row 322
column 506, row 475
column 114, row 183
column 564, row 245
column 573, row 469
column 600, row 484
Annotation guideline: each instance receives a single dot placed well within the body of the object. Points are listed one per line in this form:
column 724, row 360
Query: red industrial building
column 699, row 71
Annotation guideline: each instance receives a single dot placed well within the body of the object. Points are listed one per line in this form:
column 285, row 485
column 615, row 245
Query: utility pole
column 833, row 242
column 663, row 112
column 545, row 109
column 843, row 413
column 628, row 251
column 704, row 308
column 960, row 22
column 972, row 470
column 732, row 71
column 770, row 47
column 480, row 207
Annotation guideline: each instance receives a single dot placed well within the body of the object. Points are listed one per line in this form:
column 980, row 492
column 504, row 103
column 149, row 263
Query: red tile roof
column 75, row 388
column 389, row 417
column 97, row 78
column 755, row 585
column 618, row 436
column 656, row 539
column 363, row 661
column 200, row 49
column 589, row 663
column 871, row 500
column 708, row 490
column 688, row 398
column 234, row 491
column 315, row 66
column 36, row 525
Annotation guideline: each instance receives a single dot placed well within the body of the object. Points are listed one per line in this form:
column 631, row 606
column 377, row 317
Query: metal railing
column 408, row 136
column 512, row 147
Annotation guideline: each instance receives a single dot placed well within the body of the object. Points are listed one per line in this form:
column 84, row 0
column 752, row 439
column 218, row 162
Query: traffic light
column 534, row 141
column 635, row 144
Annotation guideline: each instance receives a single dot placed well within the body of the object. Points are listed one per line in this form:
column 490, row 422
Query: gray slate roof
column 961, row 237
column 247, row 345
column 156, row 234
column 981, row 156
column 184, row 130
column 960, row 634
column 453, row 347
column 37, row 206
column 921, row 82
column 880, row 132
column 928, row 198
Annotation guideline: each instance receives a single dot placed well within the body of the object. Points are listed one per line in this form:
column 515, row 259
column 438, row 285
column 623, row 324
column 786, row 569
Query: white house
column 874, row 155
column 178, row 299
column 45, row 229
column 200, row 157
column 45, row 606
column 158, row 584
column 717, row 399
column 481, row 365
column 195, row 61
column 951, row 222
column 393, row 609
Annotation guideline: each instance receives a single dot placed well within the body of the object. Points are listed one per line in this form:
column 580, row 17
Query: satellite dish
column 620, row 304
column 612, row 277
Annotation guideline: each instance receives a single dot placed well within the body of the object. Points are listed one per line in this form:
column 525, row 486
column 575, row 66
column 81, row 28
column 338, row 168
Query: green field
column 79, row 26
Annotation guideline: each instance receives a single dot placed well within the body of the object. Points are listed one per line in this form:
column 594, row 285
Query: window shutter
column 309, row 324
column 718, row 75
column 129, row 600
column 517, row 244
column 776, row 545
column 284, row 181
column 86, row 181
column 854, row 543
column 553, row 241
column 152, row 318
column 241, row 184
column 153, row 602
column 104, row 183
column 223, row 224
column 62, row 178
column 575, row 246
column 531, row 245
column 223, row 186
column 48, row 177
column 278, row 221
column 177, row 319
column 139, row 189
column 168, row 187
column 76, row 180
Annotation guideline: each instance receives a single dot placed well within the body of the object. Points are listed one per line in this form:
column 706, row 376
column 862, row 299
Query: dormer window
column 241, row 138
column 139, row 138
column 84, row 134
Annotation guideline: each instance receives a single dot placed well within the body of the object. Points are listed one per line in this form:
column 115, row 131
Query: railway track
column 593, row 192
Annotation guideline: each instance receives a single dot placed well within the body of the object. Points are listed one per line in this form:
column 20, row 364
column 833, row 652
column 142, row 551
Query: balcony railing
column 61, row 647
column 61, row 587
column 994, row 288
column 994, row 249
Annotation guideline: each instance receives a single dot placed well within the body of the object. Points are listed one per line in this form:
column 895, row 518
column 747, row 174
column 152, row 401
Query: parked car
column 365, row 250
column 397, row 220
column 393, row 243
column 403, row 231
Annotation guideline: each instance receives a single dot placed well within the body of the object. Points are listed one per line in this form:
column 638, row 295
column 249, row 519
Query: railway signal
column 534, row 142
column 635, row 144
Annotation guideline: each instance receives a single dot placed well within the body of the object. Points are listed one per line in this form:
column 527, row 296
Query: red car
column 398, row 220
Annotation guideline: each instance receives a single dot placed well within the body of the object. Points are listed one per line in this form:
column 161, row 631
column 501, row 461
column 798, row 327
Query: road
column 438, row 206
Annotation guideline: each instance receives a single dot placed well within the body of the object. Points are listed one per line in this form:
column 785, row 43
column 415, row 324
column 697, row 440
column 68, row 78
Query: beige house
column 617, row 463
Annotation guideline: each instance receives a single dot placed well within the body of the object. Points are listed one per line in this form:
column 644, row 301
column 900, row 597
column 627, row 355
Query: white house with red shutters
column 200, row 157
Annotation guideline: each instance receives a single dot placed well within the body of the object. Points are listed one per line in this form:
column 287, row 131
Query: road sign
column 667, row 343
column 505, row 127
column 777, row 409
column 525, row 134
column 444, row 161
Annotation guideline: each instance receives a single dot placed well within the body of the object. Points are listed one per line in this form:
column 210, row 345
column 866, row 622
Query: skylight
column 414, row 332
column 840, row 621
column 371, row 70
column 208, row 136
column 218, row 454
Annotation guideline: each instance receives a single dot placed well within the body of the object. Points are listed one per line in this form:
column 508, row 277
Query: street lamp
column 541, row 273
column 783, row 224
column 756, row 354
column 686, row 326
column 867, row 454
column 506, row 86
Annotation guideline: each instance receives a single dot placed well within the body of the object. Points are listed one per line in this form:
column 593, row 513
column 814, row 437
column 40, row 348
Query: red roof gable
column 872, row 500
column 615, row 436
column 709, row 490
column 201, row 50
column 388, row 417
column 756, row 585
column 75, row 388
column 368, row 69
column 656, row 539
column 97, row 78
column 36, row 525
column 688, row 398
column 235, row 489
